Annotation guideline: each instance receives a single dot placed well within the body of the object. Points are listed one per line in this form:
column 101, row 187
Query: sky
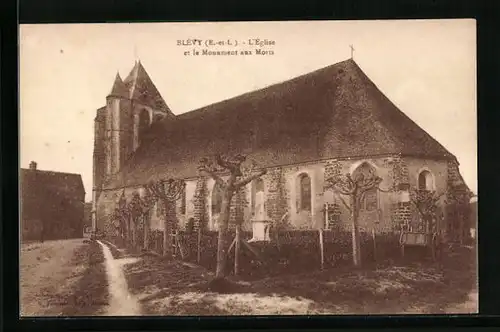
column 426, row 67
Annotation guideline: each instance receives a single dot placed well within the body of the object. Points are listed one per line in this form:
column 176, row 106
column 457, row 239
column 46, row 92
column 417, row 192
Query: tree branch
column 212, row 174
column 343, row 191
column 344, row 202
column 243, row 182
column 234, row 165
column 174, row 189
column 221, row 162
column 418, row 207
column 383, row 190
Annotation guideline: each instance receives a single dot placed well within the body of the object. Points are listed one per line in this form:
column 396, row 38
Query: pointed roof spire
column 119, row 88
column 141, row 88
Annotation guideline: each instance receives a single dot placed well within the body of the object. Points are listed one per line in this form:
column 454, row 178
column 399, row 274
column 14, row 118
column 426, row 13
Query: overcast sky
column 427, row 68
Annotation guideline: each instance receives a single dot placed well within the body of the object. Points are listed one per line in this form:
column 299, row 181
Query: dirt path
column 46, row 271
column 121, row 302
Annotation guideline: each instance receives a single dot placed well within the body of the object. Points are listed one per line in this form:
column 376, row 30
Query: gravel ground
column 62, row 278
column 46, row 270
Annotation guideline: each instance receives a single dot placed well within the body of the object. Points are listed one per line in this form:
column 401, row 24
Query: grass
column 174, row 288
column 153, row 278
column 90, row 296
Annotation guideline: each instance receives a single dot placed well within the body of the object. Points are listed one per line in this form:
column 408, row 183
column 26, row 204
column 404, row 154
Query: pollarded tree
column 168, row 191
column 458, row 199
column 135, row 208
column 355, row 189
column 426, row 203
column 229, row 187
column 147, row 203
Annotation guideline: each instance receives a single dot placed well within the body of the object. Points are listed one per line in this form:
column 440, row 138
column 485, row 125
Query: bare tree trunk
column 222, row 239
column 460, row 225
column 127, row 230
column 134, row 231
column 167, row 237
column 237, row 251
column 356, row 247
column 146, row 230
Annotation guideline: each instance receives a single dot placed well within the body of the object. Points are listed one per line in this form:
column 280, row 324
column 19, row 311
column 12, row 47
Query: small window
column 425, row 181
column 305, row 192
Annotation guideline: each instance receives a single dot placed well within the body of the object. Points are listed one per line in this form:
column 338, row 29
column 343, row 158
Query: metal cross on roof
column 352, row 51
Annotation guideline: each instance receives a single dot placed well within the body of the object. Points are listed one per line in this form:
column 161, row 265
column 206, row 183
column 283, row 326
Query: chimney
column 33, row 166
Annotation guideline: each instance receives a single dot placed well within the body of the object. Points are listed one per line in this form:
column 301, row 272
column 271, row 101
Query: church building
column 302, row 131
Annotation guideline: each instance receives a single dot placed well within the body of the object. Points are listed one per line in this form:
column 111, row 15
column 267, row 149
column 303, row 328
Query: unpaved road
column 47, row 274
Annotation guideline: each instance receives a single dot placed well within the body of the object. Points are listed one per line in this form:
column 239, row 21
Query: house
column 52, row 204
column 328, row 122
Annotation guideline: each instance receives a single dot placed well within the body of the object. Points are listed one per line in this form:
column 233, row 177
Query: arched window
column 216, row 199
column 304, row 193
column 369, row 201
column 425, row 181
column 143, row 124
column 257, row 195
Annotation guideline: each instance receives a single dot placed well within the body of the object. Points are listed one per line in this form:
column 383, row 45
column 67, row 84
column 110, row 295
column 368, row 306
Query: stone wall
column 276, row 198
column 281, row 192
column 401, row 209
column 380, row 218
column 199, row 200
column 457, row 213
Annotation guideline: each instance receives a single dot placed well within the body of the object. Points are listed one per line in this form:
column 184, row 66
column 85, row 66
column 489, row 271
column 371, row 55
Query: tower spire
column 119, row 89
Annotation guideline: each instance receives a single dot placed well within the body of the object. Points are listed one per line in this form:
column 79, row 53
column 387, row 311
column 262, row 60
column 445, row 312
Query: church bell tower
column 119, row 127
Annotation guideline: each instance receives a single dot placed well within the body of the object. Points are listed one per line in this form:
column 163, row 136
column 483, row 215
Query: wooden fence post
column 237, row 251
column 321, row 246
column 199, row 245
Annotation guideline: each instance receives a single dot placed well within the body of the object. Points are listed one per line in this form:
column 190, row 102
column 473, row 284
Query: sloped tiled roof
column 52, row 182
column 333, row 112
column 119, row 88
column 141, row 88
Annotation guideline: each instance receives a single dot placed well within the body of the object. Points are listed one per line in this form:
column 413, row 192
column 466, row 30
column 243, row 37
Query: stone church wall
column 380, row 219
column 281, row 188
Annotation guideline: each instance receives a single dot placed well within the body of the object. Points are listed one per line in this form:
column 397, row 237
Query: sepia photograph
column 248, row 168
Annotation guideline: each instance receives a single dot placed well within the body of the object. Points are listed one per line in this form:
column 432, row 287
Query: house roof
column 334, row 112
column 51, row 182
column 140, row 87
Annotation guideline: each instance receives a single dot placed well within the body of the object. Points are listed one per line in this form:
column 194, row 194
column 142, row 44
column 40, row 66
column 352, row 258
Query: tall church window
column 368, row 201
column 304, row 193
column 216, row 199
column 425, row 181
column 143, row 125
